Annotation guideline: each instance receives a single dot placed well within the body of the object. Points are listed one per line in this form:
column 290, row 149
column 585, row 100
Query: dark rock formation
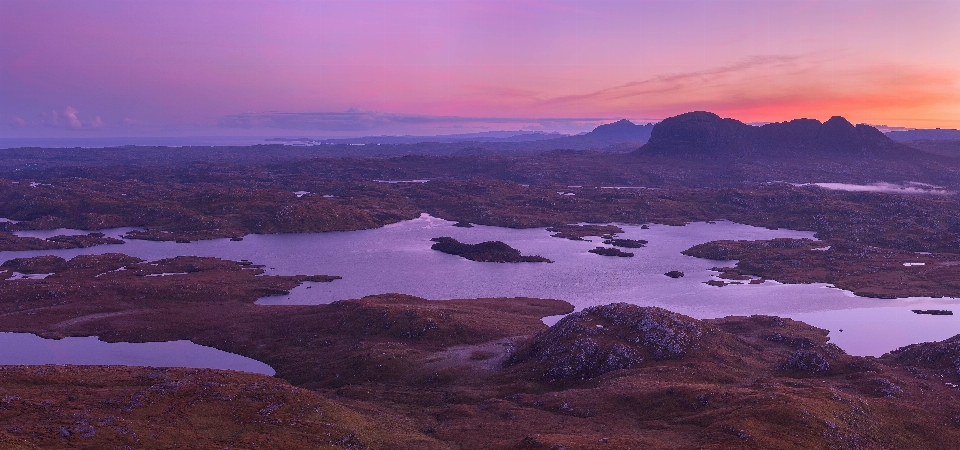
column 605, row 338
column 626, row 243
column 611, row 251
column 578, row 232
column 934, row 312
column 674, row 274
column 792, row 341
column 36, row 264
column 85, row 240
column 704, row 135
column 622, row 130
column 490, row 251
column 806, row 362
column 943, row 356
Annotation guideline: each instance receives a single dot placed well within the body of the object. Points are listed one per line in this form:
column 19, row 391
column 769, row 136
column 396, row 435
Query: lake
column 26, row 348
column 398, row 258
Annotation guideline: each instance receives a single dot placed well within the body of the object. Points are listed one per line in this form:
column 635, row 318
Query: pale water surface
column 398, row 258
column 26, row 348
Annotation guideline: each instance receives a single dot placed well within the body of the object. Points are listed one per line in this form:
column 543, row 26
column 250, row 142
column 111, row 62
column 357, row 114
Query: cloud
column 130, row 122
column 683, row 81
column 18, row 123
column 360, row 121
column 70, row 115
column 774, row 87
column 96, row 122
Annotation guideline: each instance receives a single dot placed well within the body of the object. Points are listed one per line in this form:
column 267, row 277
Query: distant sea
column 101, row 142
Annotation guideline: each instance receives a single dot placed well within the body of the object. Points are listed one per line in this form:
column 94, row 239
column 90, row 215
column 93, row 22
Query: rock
column 36, row 264
column 603, row 339
column 674, row 274
column 705, row 135
column 626, row 243
column 490, row 251
column 795, row 342
column 578, row 232
column 806, row 362
column 610, row 251
column 934, row 312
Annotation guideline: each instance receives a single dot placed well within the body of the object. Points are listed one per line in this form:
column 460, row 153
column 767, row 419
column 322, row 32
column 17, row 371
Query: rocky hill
column 705, row 135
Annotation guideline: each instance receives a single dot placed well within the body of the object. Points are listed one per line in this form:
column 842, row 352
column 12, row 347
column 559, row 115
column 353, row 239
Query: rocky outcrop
column 942, row 357
column 626, row 243
column 490, row 251
column 602, row 339
column 867, row 271
column 806, row 362
column 704, row 135
column 12, row 242
column 611, row 251
column 578, row 232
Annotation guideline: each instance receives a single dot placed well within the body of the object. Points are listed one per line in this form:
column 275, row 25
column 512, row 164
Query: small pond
column 26, row 348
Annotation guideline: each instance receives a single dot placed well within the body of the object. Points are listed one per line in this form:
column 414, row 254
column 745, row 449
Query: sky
column 328, row 68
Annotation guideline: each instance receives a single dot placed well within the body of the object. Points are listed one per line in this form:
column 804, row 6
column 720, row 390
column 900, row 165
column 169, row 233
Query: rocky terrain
column 611, row 251
column 864, row 270
column 12, row 242
column 490, row 251
column 395, row 371
column 131, row 407
column 702, row 134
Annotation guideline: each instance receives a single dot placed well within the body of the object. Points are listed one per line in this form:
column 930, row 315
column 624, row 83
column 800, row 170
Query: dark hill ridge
column 622, row 130
column 703, row 134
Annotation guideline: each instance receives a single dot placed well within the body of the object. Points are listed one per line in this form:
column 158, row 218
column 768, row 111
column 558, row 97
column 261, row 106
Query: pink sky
column 171, row 67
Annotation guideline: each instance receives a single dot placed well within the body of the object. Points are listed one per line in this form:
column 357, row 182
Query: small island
column 934, row 312
column 626, row 243
column 490, row 251
column 610, row 251
column 579, row 232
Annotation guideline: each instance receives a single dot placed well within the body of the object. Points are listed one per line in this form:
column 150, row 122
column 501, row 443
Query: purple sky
column 245, row 67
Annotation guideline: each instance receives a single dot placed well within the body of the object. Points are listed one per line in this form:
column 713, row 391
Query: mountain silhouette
column 702, row 134
column 622, row 130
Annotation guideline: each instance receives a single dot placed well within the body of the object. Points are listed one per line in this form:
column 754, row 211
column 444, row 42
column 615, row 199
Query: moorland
column 395, row 371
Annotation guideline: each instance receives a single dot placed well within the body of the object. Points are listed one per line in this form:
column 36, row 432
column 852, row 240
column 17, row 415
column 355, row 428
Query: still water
column 25, row 348
column 398, row 258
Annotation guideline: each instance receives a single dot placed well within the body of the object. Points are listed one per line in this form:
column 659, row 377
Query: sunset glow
column 247, row 67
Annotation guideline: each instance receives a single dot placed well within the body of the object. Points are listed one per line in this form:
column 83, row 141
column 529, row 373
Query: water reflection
column 25, row 348
column 398, row 258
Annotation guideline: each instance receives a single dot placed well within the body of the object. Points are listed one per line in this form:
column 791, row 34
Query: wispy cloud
column 775, row 87
column 683, row 81
column 67, row 119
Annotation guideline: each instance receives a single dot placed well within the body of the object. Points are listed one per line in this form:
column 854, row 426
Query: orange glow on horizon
column 185, row 67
